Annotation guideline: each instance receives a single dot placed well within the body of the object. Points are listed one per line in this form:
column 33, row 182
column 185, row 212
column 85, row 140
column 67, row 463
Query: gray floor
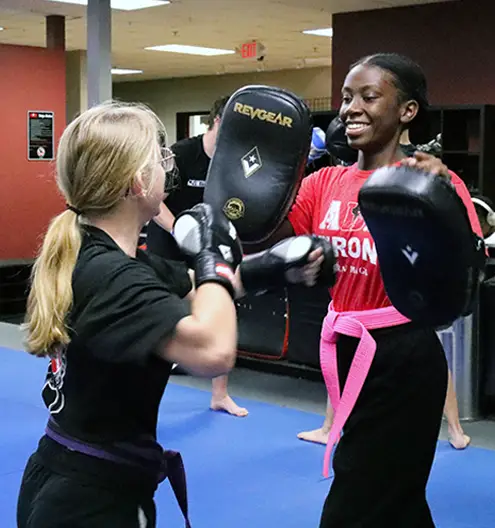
column 298, row 394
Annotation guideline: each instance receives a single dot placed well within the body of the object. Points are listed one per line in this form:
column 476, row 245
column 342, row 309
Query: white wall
column 76, row 77
column 167, row 97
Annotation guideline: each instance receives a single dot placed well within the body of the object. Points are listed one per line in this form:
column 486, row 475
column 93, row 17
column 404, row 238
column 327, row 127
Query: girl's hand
column 427, row 163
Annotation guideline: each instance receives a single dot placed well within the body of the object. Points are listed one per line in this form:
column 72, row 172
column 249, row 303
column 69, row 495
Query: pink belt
column 354, row 324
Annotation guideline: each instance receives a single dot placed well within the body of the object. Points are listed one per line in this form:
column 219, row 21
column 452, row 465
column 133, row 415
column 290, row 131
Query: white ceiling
column 225, row 24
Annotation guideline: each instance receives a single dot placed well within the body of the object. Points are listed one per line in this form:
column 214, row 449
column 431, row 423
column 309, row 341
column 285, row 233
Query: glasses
column 167, row 159
column 170, row 168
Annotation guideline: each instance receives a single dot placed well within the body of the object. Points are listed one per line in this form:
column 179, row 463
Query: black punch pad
column 259, row 160
column 431, row 261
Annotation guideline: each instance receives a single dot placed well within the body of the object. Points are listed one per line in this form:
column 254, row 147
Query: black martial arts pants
column 383, row 461
column 50, row 500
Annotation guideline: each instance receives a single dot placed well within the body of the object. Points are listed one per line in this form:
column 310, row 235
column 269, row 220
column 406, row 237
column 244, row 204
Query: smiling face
column 372, row 108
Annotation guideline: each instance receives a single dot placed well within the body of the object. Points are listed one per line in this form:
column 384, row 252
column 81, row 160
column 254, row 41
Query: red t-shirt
column 327, row 205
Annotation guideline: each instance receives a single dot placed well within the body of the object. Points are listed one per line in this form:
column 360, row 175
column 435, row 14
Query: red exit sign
column 251, row 50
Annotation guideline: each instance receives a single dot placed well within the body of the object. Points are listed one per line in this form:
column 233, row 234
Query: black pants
column 383, row 460
column 50, row 500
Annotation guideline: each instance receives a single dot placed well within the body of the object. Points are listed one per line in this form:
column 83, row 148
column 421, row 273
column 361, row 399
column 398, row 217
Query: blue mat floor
column 242, row 473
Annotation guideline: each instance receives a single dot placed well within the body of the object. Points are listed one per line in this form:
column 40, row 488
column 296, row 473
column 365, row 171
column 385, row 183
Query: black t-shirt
column 106, row 386
column 192, row 164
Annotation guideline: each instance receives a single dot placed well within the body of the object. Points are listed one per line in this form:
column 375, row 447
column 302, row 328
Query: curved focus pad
column 259, row 159
column 431, row 261
column 336, row 142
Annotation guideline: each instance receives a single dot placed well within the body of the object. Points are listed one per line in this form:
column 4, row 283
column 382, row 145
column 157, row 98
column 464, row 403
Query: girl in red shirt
column 383, row 460
column 457, row 438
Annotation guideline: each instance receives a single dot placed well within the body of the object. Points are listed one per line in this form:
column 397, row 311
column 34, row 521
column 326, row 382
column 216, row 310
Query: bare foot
column 228, row 405
column 318, row 436
column 459, row 440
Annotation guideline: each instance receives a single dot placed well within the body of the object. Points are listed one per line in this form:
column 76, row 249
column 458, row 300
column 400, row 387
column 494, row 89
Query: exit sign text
column 249, row 50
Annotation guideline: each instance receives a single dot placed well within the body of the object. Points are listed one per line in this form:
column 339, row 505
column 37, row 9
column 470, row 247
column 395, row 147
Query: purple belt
column 146, row 454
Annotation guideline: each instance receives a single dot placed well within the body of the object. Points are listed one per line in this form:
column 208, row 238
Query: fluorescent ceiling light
column 324, row 32
column 191, row 50
column 123, row 71
column 124, row 5
column 317, row 60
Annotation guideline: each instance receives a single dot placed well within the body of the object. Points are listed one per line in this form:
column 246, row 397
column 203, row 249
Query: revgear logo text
column 263, row 115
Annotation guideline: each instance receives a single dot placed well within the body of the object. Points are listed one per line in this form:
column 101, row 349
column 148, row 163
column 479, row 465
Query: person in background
column 457, row 438
column 192, row 157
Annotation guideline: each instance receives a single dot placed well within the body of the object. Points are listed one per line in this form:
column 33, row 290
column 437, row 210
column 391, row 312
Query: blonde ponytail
column 50, row 297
